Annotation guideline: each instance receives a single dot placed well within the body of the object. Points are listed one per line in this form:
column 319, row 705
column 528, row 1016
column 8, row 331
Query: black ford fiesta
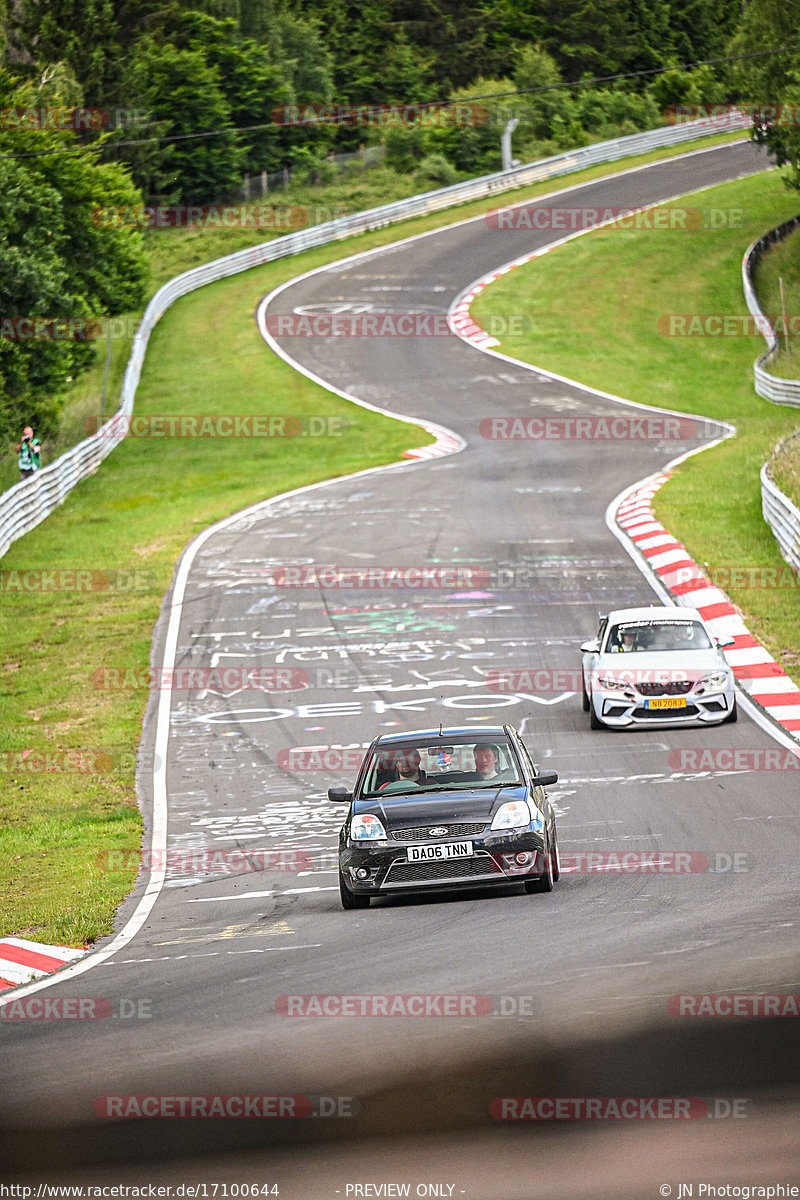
column 441, row 809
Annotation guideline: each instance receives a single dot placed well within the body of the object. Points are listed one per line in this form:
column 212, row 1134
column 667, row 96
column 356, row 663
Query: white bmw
column 656, row 666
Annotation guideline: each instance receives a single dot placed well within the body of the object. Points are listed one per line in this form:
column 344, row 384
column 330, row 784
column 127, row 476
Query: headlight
column 367, row 829
column 611, row 684
column 716, row 679
column 514, row 815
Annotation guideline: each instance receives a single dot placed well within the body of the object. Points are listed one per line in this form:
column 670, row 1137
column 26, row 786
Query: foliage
column 60, row 261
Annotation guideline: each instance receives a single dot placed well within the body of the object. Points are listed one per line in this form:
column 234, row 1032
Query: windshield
column 644, row 636
column 432, row 765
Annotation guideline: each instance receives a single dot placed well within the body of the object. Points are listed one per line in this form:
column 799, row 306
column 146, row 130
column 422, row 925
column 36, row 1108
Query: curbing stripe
column 22, row 961
column 679, row 574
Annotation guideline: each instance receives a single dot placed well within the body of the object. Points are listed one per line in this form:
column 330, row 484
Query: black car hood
column 436, row 808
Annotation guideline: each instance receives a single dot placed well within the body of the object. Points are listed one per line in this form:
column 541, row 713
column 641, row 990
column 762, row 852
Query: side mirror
column 724, row 641
column 339, row 795
column 545, row 778
column 591, row 647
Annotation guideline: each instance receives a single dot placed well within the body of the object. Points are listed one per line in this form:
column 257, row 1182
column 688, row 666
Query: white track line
column 160, row 802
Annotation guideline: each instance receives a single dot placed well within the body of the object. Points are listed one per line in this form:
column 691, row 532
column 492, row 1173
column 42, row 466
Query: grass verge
column 134, row 516
column 173, row 250
column 595, row 305
column 782, row 261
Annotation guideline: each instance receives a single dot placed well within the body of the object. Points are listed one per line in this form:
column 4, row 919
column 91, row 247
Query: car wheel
column 351, row 900
column 594, row 720
column 733, row 715
column 556, row 861
column 584, row 695
column 544, row 882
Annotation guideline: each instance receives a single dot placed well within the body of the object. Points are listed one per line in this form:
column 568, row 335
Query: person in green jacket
column 30, row 454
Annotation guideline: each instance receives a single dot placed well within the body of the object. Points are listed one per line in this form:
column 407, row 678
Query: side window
column 601, row 632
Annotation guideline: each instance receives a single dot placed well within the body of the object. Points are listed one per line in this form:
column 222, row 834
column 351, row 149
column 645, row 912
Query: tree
column 195, row 169
column 770, row 81
column 60, row 261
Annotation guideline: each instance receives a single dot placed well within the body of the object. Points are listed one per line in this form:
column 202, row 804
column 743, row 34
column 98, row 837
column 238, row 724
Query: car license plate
column 666, row 702
column 439, row 851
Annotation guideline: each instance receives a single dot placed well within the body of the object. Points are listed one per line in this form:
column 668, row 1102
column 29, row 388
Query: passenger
column 487, row 760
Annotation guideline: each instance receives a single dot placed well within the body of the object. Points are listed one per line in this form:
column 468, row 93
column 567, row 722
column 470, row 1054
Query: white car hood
column 694, row 662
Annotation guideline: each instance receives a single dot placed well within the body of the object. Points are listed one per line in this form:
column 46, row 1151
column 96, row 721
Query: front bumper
column 710, row 708
column 493, row 861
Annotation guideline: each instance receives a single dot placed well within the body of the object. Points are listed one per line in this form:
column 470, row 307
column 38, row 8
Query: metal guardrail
column 782, row 516
column 771, row 387
column 26, row 504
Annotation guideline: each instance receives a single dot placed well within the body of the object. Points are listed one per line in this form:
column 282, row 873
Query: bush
column 437, row 170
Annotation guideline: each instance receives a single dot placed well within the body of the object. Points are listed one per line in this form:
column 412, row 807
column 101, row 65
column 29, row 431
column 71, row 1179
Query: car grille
column 658, row 714
column 454, row 869
column 676, row 687
column 422, row 833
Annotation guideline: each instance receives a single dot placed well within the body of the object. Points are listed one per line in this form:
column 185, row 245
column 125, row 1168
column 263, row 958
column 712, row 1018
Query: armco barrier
column 779, row 391
column 782, row 516
column 23, row 506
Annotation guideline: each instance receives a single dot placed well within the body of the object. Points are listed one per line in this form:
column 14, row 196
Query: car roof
column 668, row 611
column 484, row 733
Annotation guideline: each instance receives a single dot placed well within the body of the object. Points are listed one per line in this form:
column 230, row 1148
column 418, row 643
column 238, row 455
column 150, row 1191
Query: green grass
column 785, row 468
column 782, row 261
column 135, row 515
column 595, row 305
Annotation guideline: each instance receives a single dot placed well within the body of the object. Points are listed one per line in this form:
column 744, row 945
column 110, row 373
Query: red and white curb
column 22, row 961
column 756, row 671
column 446, row 443
column 760, row 676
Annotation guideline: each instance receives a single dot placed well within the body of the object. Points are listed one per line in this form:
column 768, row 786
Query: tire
column 351, row 900
column 556, row 862
column 542, row 883
column 733, row 715
column 584, row 695
column 594, row 720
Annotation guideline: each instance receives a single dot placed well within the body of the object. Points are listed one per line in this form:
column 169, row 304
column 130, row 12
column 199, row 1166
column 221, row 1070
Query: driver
column 407, row 766
column 627, row 641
